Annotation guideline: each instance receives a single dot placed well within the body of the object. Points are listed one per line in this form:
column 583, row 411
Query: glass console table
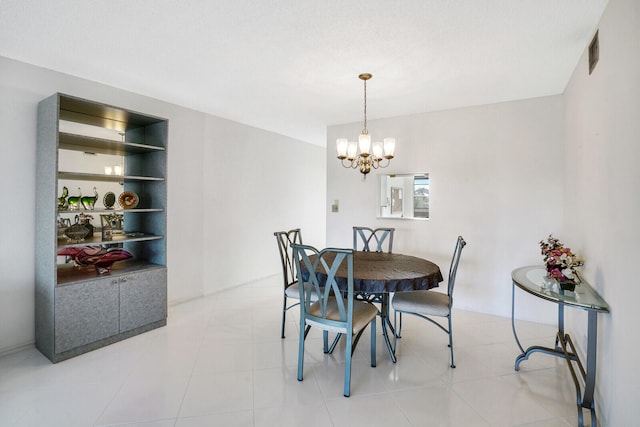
column 533, row 280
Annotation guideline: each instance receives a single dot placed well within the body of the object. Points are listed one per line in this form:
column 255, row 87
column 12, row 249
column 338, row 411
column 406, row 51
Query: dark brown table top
column 381, row 272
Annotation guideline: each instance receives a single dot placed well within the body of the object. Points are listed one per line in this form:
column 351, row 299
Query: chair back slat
column 453, row 268
column 285, row 240
column 373, row 239
column 319, row 270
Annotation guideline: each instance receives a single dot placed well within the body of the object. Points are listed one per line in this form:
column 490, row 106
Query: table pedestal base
column 383, row 300
column 386, row 323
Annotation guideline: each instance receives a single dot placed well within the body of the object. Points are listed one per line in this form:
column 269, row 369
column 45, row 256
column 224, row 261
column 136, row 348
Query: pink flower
column 556, row 274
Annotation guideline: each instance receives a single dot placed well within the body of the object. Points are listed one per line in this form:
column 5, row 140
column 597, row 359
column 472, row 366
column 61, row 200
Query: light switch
column 335, row 206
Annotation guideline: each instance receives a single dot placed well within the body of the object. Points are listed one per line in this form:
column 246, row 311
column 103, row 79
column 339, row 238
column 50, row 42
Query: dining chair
column 380, row 240
column 383, row 239
column 368, row 236
column 333, row 311
column 429, row 303
column 285, row 240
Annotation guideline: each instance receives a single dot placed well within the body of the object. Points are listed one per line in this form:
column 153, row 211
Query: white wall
column 215, row 168
column 266, row 183
column 602, row 200
column 495, row 178
column 506, row 175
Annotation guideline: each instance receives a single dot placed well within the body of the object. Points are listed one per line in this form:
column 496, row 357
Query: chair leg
column 453, row 365
column 347, row 368
column 373, row 343
column 284, row 314
column 301, row 349
column 396, row 333
column 335, row 342
column 399, row 330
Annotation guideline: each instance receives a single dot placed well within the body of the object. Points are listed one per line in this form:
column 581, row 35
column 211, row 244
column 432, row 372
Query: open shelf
column 70, row 141
column 96, row 239
column 69, row 274
column 81, row 176
column 109, row 211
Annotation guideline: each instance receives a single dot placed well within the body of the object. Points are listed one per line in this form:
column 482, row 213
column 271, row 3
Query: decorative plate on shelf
column 109, row 200
column 128, row 200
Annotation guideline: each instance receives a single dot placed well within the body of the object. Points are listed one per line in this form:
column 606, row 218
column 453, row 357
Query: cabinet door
column 143, row 298
column 85, row 313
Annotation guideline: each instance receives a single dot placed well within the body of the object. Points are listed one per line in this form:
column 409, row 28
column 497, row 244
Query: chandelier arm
column 352, row 164
column 379, row 163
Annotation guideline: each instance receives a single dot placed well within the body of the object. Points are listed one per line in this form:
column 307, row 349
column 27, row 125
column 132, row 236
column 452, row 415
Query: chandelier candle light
column 370, row 156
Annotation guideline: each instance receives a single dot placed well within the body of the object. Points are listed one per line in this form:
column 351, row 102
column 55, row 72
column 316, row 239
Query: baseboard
column 15, row 349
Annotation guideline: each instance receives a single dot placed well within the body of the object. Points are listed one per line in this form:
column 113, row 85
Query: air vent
column 594, row 52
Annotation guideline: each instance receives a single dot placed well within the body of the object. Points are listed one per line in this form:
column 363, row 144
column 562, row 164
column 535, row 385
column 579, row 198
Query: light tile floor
column 220, row 361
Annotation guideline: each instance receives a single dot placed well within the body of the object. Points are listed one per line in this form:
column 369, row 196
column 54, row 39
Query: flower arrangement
column 561, row 263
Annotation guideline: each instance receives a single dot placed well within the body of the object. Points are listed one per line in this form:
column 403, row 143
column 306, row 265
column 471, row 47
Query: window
column 421, row 196
column 414, row 188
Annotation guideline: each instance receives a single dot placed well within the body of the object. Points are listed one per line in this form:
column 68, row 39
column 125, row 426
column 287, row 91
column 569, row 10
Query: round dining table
column 377, row 274
column 382, row 272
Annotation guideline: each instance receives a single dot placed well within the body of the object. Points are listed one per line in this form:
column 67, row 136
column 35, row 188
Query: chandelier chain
column 365, row 131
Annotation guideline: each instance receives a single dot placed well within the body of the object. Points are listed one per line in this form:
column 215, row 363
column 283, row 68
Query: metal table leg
column 384, row 318
column 590, row 379
column 565, row 348
column 557, row 351
column 585, row 400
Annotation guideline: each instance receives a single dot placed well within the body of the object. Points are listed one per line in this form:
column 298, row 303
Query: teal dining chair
column 378, row 240
column 430, row 303
column 336, row 310
column 367, row 239
column 285, row 240
column 373, row 239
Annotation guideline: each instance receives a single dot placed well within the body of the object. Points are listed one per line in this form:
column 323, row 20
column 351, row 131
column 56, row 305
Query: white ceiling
column 291, row 66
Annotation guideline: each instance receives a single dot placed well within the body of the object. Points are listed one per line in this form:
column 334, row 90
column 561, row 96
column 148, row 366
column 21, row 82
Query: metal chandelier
column 370, row 155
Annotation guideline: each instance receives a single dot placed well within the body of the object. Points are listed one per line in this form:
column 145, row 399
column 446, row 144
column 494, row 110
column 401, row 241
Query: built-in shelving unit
column 78, row 310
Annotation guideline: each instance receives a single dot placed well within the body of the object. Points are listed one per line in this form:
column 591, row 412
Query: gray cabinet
column 86, row 312
column 80, row 142
column 143, row 299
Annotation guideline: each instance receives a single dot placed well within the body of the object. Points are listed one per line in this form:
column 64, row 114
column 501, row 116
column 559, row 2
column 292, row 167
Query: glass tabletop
column 533, row 279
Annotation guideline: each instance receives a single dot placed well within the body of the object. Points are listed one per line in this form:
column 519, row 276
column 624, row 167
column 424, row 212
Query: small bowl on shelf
column 77, row 233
